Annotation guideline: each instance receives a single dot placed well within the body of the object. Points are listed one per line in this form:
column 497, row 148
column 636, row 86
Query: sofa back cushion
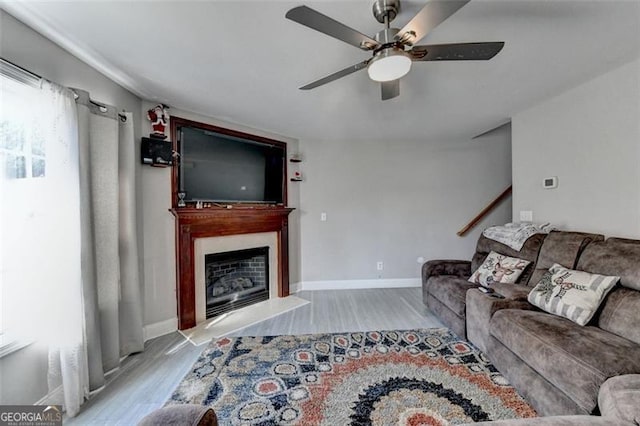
column 621, row 311
column 621, row 314
column 528, row 252
column 564, row 248
column 616, row 256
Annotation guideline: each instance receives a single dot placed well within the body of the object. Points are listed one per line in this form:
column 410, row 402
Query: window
column 22, row 144
column 22, row 175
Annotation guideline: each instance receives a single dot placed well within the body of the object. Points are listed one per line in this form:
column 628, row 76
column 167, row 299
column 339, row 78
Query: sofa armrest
column 459, row 268
column 575, row 420
column 619, row 397
column 187, row 414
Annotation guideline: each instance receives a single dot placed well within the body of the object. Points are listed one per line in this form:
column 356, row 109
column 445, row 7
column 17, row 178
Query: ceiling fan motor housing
column 387, row 36
column 390, row 61
column 386, row 9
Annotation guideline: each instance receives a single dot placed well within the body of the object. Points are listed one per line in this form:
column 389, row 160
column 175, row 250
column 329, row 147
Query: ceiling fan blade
column 432, row 15
column 390, row 89
column 457, row 51
column 306, row 16
column 336, row 75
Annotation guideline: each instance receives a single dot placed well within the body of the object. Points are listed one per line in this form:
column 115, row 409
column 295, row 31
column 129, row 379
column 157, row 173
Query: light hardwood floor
column 146, row 380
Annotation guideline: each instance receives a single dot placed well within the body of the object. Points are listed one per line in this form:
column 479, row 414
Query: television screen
column 222, row 168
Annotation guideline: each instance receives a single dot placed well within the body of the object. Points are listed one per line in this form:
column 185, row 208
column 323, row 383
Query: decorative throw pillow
column 575, row 295
column 498, row 268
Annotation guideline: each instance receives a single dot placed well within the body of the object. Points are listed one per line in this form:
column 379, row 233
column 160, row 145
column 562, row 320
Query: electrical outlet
column 379, row 266
column 420, row 260
column 323, row 217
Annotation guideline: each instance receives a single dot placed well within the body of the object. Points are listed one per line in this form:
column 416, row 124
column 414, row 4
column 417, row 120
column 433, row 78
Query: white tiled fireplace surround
column 207, row 329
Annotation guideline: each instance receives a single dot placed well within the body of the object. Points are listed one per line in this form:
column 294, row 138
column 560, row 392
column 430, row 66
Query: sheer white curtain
column 67, row 345
column 41, row 241
column 69, row 256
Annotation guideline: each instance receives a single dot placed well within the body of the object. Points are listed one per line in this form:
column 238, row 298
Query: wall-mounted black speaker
column 156, row 152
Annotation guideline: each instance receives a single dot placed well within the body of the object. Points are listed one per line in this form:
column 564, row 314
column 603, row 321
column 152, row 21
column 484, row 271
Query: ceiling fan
column 394, row 50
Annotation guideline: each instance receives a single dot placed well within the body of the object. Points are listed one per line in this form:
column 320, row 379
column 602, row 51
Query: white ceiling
column 242, row 61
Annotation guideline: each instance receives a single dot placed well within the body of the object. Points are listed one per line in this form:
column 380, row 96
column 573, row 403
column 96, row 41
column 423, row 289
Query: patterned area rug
column 417, row 377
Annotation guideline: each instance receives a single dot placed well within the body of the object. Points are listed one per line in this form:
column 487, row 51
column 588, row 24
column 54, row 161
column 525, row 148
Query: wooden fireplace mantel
column 192, row 223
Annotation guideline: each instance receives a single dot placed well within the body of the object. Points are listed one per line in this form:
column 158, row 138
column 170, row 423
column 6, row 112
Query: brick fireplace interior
column 235, row 279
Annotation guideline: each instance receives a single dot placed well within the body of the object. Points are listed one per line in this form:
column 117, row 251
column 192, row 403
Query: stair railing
column 492, row 205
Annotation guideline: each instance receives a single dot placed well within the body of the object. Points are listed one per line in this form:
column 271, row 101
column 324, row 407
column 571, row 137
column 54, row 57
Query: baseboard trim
column 357, row 284
column 158, row 329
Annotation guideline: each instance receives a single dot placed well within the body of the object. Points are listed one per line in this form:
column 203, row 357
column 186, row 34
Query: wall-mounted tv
column 226, row 168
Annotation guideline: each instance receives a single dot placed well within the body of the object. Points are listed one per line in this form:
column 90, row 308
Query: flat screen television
column 216, row 167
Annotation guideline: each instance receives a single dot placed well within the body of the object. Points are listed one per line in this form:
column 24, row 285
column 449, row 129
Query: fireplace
column 235, row 279
column 198, row 229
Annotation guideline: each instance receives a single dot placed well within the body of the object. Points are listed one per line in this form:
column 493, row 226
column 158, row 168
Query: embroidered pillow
column 575, row 295
column 498, row 268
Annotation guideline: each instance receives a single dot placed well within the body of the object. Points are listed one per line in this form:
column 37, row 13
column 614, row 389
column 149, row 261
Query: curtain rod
column 103, row 109
column 19, row 74
column 23, row 75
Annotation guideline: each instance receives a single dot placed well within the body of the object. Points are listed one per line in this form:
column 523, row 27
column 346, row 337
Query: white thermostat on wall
column 550, row 182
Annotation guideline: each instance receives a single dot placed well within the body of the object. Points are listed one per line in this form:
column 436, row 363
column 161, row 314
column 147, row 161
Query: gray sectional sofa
column 445, row 285
column 556, row 364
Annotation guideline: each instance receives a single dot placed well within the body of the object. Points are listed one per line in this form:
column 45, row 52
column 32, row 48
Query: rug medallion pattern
column 415, row 377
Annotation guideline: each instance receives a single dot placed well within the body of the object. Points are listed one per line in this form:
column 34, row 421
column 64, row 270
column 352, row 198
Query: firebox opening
column 236, row 279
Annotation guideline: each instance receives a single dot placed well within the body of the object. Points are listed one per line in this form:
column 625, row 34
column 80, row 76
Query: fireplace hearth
column 236, row 279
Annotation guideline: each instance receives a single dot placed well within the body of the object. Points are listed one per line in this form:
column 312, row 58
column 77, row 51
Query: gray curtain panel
column 130, row 306
column 110, row 274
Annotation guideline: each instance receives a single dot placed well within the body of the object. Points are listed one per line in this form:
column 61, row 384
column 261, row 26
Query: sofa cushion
column 499, row 268
column 621, row 314
column 577, row 360
column 480, row 308
column 528, row 252
column 451, row 291
column 575, row 295
column 621, row 309
column 616, row 256
column 561, row 247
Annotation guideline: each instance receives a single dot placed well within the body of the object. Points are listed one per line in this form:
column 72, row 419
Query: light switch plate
column 526, row 216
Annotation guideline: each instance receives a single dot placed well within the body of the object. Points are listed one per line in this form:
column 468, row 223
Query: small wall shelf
column 296, row 159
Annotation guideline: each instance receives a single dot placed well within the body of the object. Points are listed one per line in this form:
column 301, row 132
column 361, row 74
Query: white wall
column 396, row 200
column 589, row 137
column 159, row 231
column 23, row 377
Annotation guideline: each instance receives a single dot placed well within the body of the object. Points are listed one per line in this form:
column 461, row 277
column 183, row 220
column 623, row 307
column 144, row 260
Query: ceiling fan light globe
column 389, row 65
